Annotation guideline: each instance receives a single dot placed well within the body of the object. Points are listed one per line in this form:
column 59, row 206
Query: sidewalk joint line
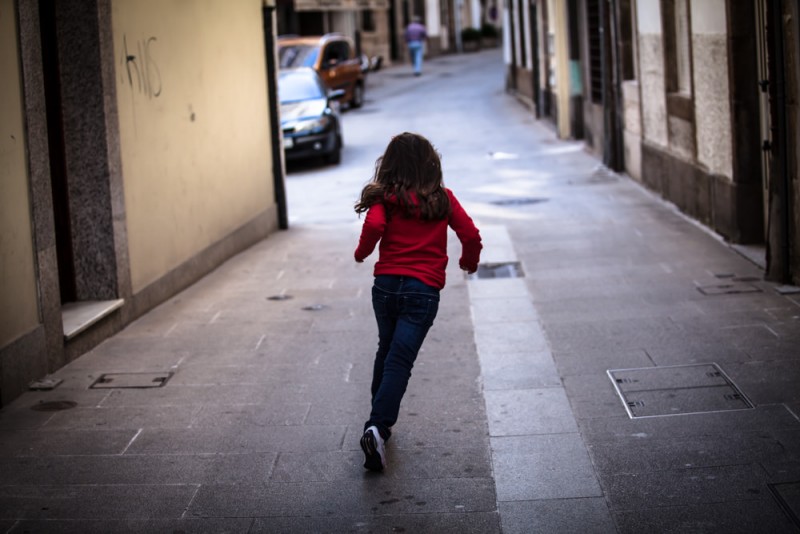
column 105, row 397
column 347, row 373
column 131, row 441
column 576, row 433
column 273, row 465
column 168, row 332
column 189, row 504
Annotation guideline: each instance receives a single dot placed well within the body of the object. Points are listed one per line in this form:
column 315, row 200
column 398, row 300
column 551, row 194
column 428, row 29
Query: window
column 683, row 75
column 678, row 57
column 336, row 52
column 367, row 21
column 595, row 50
column 626, row 38
column 677, row 46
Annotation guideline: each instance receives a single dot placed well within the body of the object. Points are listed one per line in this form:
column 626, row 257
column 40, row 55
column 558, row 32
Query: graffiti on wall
column 142, row 70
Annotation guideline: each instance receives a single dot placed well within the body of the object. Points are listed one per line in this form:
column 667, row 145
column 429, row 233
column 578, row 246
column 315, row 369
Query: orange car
column 332, row 55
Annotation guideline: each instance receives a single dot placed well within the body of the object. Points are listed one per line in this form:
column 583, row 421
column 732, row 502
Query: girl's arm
column 468, row 234
column 371, row 232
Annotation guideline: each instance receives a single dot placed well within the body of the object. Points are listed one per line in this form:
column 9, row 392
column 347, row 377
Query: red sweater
column 417, row 248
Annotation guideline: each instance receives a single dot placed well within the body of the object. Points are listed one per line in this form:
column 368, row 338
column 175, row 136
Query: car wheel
column 358, row 96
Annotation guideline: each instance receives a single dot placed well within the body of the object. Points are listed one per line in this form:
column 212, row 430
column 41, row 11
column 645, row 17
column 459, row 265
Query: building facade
column 367, row 22
column 697, row 99
column 140, row 151
column 377, row 26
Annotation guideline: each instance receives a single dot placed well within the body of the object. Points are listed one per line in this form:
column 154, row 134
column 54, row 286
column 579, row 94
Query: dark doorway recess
column 55, row 138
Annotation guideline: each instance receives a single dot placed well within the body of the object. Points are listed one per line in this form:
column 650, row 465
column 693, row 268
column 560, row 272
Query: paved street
column 640, row 376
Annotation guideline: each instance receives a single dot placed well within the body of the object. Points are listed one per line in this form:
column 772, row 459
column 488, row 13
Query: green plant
column 490, row 31
column 470, row 35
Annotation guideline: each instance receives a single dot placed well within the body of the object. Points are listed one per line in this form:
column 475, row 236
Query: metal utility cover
column 131, row 380
column 677, row 390
column 511, row 269
column 729, row 288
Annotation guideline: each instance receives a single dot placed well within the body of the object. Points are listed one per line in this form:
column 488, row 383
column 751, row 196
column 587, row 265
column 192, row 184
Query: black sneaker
column 374, row 453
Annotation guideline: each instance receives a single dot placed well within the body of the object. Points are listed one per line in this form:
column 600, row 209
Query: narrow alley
column 638, row 375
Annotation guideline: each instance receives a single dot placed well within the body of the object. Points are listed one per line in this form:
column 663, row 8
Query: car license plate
column 288, row 142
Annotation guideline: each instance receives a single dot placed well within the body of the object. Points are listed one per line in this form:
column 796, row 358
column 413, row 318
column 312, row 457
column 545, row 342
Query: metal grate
column 511, row 269
column 593, row 20
column 131, row 380
column 677, row 390
column 728, row 288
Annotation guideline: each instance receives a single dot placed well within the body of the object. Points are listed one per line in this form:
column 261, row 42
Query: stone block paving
column 257, row 430
column 620, row 280
column 512, row 422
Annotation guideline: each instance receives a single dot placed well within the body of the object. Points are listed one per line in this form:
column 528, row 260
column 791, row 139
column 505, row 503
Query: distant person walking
column 409, row 211
column 415, row 38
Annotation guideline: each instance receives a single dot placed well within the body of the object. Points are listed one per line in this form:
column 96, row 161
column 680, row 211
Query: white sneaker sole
column 373, row 451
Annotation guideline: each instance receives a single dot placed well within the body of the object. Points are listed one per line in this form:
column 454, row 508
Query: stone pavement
column 257, row 429
column 514, row 420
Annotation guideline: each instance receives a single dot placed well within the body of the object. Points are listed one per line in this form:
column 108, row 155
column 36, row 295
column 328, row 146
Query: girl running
column 408, row 210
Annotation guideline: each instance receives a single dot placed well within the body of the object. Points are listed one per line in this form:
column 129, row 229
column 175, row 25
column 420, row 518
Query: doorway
column 55, row 133
column 85, row 176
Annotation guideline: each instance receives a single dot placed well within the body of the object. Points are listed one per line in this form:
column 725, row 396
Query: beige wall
column 194, row 126
column 712, row 94
column 18, row 308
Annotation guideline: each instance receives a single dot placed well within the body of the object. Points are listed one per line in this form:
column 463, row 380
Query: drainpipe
column 617, row 154
column 274, row 113
column 780, row 189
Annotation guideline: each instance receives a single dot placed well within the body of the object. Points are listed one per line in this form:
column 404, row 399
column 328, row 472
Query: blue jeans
column 415, row 48
column 404, row 309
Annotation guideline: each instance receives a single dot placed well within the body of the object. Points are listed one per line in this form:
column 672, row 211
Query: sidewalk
column 636, row 301
column 257, row 429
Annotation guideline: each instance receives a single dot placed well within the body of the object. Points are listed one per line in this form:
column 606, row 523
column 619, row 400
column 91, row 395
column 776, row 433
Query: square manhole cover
column 511, row 269
column 677, row 390
column 729, row 288
column 131, row 380
column 788, row 496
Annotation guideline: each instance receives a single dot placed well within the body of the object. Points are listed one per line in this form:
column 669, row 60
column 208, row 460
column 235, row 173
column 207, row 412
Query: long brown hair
column 409, row 166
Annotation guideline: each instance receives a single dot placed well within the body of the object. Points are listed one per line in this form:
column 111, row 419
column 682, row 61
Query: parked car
column 309, row 116
column 333, row 56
